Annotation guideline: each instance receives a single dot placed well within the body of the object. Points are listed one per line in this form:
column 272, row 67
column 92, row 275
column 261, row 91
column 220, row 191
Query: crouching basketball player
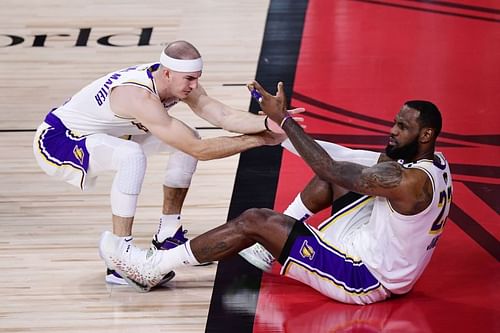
column 117, row 121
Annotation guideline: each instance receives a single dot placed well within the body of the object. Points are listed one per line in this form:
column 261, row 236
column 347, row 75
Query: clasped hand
column 275, row 106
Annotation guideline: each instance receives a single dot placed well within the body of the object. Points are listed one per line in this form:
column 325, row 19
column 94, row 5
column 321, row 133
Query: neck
column 424, row 155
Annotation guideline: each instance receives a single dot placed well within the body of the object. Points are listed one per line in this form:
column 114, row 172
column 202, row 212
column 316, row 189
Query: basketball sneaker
column 112, row 277
column 170, row 242
column 136, row 266
column 258, row 256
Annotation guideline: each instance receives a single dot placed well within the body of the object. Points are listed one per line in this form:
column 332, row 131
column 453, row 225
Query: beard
column 406, row 152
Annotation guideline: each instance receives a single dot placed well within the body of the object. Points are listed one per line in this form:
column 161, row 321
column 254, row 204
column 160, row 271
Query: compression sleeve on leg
column 341, row 153
column 180, row 170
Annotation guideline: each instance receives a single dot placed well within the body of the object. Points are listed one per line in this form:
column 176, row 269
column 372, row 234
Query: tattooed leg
column 265, row 226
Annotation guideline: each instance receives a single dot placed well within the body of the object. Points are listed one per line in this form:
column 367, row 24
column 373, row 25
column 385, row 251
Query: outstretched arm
column 147, row 109
column 388, row 179
column 228, row 118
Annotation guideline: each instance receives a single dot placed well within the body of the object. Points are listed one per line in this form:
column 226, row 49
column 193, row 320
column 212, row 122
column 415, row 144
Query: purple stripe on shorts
column 309, row 252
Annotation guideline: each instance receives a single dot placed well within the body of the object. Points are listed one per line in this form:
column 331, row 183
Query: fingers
column 296, row 110
column 293, row 111
column 250, row 86
column 255, row 85
column 281, row 90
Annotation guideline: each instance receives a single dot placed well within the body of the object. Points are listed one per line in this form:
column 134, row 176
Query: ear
column 166, row 72
column 426, row 134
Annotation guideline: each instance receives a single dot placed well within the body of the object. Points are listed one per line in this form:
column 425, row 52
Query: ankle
column 127, row 239
column 169, row 224
column 298, row 210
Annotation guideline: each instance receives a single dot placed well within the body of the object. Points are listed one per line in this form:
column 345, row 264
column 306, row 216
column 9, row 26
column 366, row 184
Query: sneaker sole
column 169, row 276
column 255, row 262
column 137, row 286
column 204, row 264
column 112, row 279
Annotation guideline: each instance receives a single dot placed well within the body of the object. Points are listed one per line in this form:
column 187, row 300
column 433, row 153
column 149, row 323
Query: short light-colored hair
column 181, row 49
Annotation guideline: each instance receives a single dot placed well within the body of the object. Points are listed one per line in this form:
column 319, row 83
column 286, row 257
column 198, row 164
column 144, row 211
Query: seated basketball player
column 113, row 123
column 391, row 210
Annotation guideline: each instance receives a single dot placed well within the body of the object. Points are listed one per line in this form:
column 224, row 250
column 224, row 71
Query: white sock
column 127, row 239
column 178, row 256
column 298, row 210
column 168, row 226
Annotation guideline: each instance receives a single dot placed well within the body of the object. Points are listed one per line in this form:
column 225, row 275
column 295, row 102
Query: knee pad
column 180, row 170
column 131, row 167
column 122, row 204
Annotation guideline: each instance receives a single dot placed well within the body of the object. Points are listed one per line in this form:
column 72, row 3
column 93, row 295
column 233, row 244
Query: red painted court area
column 359, row 62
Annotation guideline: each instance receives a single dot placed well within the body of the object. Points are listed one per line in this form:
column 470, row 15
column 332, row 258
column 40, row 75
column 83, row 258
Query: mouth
column 392, row 142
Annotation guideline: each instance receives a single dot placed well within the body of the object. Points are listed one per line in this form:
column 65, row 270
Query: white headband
column 181, row 65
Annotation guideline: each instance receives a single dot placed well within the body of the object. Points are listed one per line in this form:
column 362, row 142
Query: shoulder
column 407, row 174
column 415, row 191
column 127, row 100
column 132, row 93
column 393, row 176
column 384, row 158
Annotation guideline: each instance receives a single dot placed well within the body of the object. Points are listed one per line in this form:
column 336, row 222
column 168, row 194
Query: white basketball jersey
column 89, row 110
column 396, row 248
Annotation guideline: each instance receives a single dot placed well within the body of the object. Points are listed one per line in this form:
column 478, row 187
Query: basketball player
column 115, row 122
column 390, row 211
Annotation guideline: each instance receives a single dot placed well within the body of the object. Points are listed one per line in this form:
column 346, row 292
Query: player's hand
column 273, row 106
column 271, row 138
column 274, row 127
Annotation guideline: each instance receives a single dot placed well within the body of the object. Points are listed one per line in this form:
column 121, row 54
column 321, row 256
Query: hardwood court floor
column 52, row 279
column 350, row 62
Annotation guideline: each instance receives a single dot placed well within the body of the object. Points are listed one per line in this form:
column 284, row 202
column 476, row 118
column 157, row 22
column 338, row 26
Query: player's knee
column 128, row 152
column 253, row 220
column 180, row 170
column 131, row 167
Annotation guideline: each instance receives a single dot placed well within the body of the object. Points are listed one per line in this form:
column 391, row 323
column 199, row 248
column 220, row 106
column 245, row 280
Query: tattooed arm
column 408, row 190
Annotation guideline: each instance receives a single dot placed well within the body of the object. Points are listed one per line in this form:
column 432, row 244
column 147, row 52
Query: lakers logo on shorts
column 79, row 154
column 307, row 251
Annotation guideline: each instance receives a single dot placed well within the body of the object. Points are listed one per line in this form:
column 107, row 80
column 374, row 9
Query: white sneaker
column 138, row 267
column 258, row 256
